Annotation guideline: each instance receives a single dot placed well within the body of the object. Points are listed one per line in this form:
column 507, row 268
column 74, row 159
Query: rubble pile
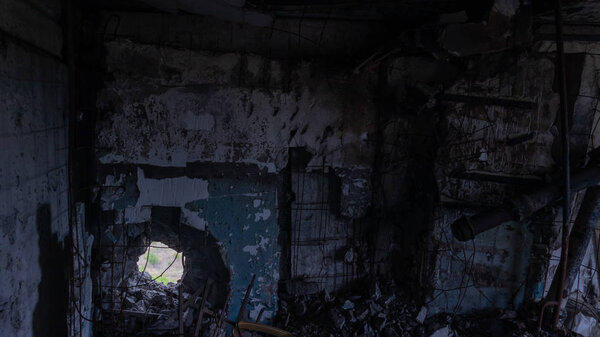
column 150, row 308
column 382, row 313
column 388, row 312
column 145, row 295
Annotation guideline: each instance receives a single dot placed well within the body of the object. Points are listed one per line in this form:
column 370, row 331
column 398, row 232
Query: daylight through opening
column 162, row 263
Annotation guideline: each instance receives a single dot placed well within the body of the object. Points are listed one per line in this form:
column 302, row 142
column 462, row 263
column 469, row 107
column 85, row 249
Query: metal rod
column 580, row 237
column 564, row 114
column 207, row 287
column 546, row 305
column 180, row 307
column 242, row 311
column 222, row 315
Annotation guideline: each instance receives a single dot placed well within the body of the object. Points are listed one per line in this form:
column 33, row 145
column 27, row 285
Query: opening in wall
column 164, row 264
column 151, row 268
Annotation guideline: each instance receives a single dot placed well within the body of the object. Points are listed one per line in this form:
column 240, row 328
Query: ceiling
column 262, row 13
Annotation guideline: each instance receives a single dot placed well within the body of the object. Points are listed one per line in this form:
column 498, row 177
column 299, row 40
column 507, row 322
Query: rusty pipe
column 523, row 206
column 544, row 307
column 582, row 232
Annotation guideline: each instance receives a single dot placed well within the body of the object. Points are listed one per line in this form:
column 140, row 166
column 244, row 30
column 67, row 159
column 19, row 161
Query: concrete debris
column 150, row 308
column 337, row 318
column 422, row 314
column 443, row 332
column 585, row 326
column 348, row 305
column 377, row 292
column 394, row 314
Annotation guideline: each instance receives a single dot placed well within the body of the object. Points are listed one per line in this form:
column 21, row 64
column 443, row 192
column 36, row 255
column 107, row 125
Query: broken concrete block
column 443, row 332
column 422, row 314
column 585, row 326
column 348, row 305
column 337, row 318
column 374, row 308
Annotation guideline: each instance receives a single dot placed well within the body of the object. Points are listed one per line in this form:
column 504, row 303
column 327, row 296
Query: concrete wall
column 499, row 140
column 168, row 106
column 462, row 140
column 454, row 134
column 33, row 171
column 210, row 133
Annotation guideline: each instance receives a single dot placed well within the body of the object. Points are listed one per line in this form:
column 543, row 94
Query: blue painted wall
column 242, row 216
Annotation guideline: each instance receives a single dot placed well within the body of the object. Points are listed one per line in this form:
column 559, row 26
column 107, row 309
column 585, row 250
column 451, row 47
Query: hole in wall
column 164, row 264
column 165, row 261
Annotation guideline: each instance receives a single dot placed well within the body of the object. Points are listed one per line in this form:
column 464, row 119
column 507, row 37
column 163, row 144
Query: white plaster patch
column 170, row 191
column 263, row 215
column 256, row 203
column 251, row 249
column 263, row 242
column 192, row 219
column 137, row 214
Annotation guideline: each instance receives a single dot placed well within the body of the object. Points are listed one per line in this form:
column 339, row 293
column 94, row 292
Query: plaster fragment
column 252, row 250
column 170, row 191
column 263, row 215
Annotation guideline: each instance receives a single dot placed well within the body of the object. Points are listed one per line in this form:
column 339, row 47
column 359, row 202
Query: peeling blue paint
column 538, row 291
column 242, row 216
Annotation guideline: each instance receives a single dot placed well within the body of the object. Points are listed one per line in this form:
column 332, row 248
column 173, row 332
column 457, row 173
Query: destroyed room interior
column 299, row 168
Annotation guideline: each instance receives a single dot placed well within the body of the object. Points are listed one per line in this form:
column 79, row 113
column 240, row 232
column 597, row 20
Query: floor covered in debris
column 330, row 168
